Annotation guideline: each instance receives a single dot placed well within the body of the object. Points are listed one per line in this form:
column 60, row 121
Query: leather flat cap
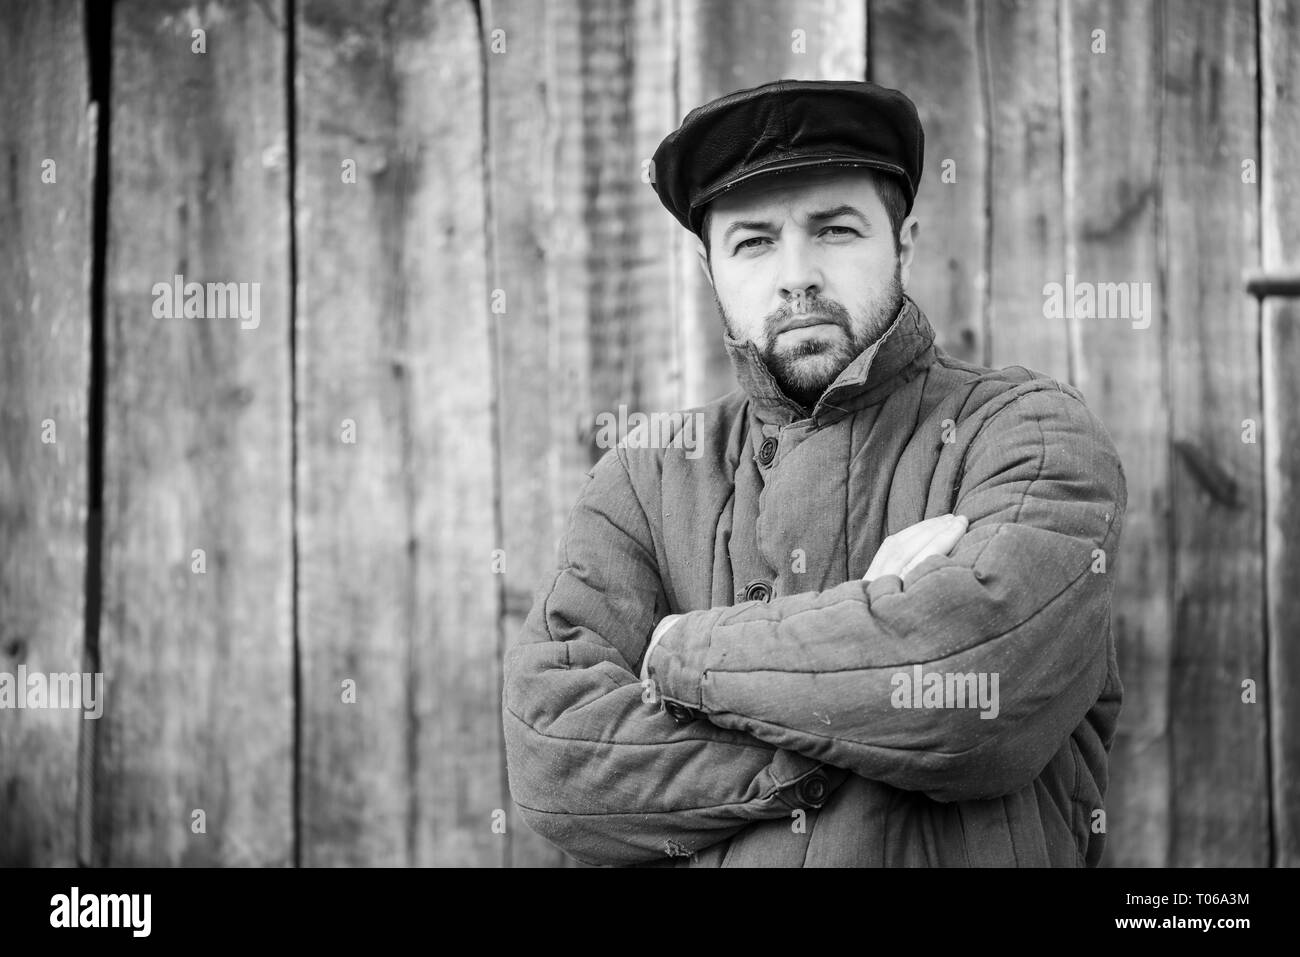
column 785, row 125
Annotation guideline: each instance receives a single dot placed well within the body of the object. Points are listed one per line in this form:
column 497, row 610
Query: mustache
column 831, row 310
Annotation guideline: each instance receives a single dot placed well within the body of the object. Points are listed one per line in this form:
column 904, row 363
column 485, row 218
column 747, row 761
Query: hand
column 660, row 629
column 903, row 551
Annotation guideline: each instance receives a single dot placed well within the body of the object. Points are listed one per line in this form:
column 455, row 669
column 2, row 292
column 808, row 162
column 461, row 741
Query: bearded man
column 869, row 624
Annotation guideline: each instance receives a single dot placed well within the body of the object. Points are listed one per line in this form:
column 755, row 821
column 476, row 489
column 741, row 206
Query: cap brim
column 791, row 163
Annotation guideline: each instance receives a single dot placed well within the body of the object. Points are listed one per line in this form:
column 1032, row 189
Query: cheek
column 866, row 277
column 745, row 299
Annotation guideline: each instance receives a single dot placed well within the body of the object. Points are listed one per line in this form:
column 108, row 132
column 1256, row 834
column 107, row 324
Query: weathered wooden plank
column 1026, row 231
column 1112, row 174
column 1210, row 123
column 569, row 247
column 947, row 85
column 1280, row 194
column 396, row 519
column 727, row 47
column 627, row 61
column 582, row 254
column 45, row 260
column 198, row 666
column 519, row 134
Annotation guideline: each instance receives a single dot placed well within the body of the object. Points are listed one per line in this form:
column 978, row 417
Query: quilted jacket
column 796, row 715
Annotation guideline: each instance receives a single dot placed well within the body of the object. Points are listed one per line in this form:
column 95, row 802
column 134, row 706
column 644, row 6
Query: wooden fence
column 297, row 547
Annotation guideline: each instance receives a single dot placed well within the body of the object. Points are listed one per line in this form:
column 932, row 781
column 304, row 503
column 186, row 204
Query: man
column 866, row 621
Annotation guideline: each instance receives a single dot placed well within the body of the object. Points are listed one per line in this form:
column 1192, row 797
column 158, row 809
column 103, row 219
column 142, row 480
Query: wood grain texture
column 1209, row 124
column 570, row 245
column 396, row 530
column 583, row 254
column 1113, row 167
column 45, row 260
column 1026, row 186
column 1280, row 195
column 727, row 47
column 198, row 667
column 948, row 84
column 518, row 78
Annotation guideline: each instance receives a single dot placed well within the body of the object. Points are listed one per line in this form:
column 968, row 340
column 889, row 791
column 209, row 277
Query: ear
column 907, row 246
column 704, row 260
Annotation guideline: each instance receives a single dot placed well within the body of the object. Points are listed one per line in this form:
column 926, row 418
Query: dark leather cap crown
column 783, row 125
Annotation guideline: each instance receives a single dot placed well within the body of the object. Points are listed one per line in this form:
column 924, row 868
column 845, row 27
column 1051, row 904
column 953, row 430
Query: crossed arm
column 898, row 554
column 805, row 680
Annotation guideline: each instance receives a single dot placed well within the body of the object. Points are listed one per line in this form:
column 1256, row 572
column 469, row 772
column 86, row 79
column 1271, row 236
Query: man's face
column 804, row 265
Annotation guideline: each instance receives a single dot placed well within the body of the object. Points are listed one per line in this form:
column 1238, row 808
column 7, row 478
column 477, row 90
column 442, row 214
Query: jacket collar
column 869, row 378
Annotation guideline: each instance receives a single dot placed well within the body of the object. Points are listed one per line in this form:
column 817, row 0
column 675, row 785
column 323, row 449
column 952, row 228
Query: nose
column 800, row 275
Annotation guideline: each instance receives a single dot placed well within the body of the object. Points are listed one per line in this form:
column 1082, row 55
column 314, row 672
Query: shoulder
column 974, row 395
column 999, row 420
column 650, row 441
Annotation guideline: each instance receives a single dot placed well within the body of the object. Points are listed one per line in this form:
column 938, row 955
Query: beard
column 804, row 369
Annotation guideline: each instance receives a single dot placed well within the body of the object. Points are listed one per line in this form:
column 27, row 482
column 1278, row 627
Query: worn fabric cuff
column 678, row 662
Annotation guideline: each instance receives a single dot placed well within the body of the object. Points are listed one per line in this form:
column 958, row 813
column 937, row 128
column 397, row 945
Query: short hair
column 887, row 188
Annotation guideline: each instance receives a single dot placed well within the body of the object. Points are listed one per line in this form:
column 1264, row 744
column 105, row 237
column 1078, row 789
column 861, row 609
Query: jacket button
column 767, row 452
column 813, row 789
column 680, row 712
column 758, row 591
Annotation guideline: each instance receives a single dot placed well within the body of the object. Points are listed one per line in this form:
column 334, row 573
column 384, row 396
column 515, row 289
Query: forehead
column 797, row 191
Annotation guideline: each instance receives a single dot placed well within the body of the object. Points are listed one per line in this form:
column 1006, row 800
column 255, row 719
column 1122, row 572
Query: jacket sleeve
column 1023, row 600
column 594, row 763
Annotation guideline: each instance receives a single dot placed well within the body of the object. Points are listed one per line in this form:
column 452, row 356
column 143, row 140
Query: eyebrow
column 818, row 216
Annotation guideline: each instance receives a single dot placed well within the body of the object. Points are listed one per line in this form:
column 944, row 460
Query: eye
column 745, row 244
column 843, row 230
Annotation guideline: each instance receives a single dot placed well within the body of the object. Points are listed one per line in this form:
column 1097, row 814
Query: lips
column 805, row 321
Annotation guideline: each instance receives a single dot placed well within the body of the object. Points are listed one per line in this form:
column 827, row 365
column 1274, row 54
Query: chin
column 804, row 382
column 813, row 368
